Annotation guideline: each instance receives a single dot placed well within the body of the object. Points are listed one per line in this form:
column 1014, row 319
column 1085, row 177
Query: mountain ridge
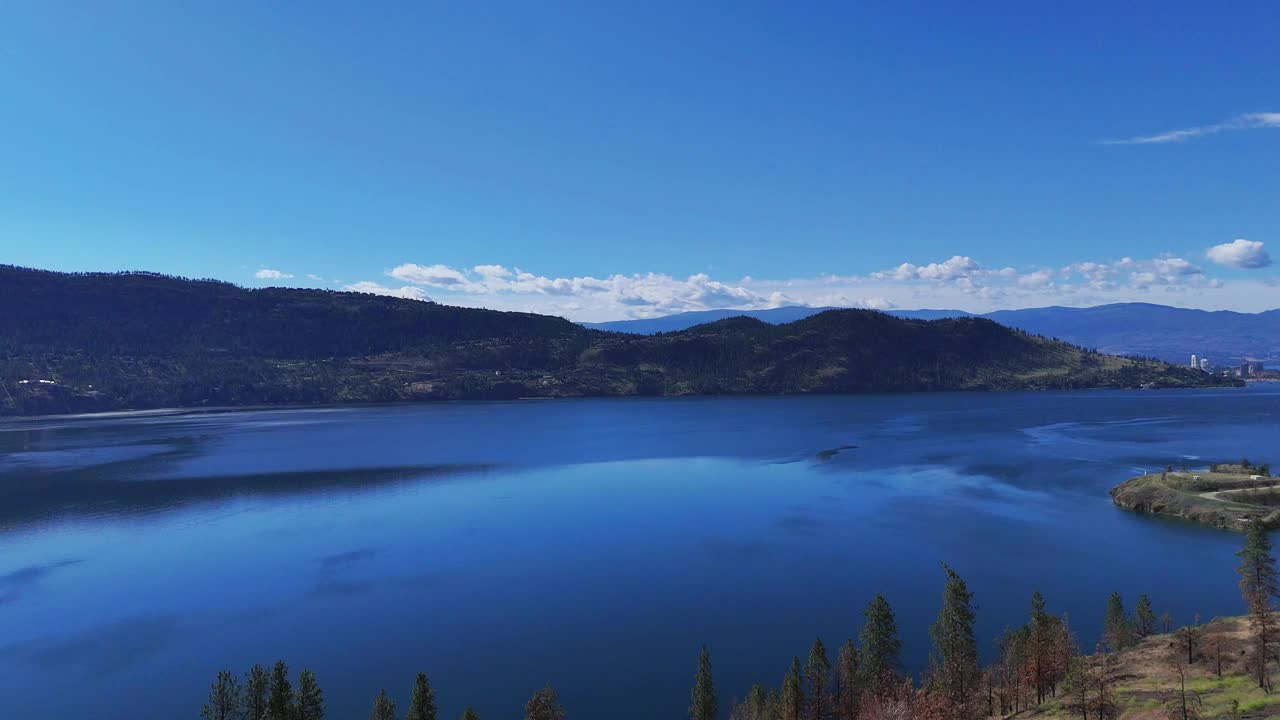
column 1146, row 329
column 98, row 342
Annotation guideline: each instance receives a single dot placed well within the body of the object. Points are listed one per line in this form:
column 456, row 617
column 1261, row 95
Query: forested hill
column 148, row 314
column 92, row 342
column 1142, row 329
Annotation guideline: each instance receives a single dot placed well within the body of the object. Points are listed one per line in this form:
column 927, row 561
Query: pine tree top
column 422, row 704
column 384, row 708
column 817, row 660
column 702, row 704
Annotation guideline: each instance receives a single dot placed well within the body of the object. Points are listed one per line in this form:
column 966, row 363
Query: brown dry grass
column 1146, row 681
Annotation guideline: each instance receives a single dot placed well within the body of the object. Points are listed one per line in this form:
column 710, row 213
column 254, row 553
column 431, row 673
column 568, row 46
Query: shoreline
column 200, row 409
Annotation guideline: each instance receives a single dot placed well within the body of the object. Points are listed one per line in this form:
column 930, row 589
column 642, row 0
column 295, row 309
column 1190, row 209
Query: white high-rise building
column 1194, row 363
column 1204, row 364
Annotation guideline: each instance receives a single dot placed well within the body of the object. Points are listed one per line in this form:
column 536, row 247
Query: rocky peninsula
column 1228, row 495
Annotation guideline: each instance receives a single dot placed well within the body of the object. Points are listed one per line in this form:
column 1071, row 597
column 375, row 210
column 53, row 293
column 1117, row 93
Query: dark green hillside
column 135, row 340
column 148, row 314
column 841, row 351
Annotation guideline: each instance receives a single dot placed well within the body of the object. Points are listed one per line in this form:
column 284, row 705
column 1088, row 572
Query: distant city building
column 1204, row 364
column 1251, row 368
column 1194, row 363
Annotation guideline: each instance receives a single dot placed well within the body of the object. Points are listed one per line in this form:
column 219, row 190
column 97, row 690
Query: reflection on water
column 34, row 501
column 500, row 546
column 12, row 584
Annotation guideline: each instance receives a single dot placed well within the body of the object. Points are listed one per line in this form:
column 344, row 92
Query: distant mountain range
column 1171, row 334
column 774, row 316
column 97, row 341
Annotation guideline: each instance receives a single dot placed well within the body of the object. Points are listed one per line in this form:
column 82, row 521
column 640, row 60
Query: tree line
column 1035, row 662
column 269, row 695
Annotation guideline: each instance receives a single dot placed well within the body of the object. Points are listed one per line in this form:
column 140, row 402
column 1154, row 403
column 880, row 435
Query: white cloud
column 408, row 291
column 269, row 274
column 958, row 266
column 1172, row 267
column 1240, row 253
column 1037, row 279
column 434, row 275
column 316, row 278
column 637, row 295
column 496, row 271
column 960, row 282
column 1098, row 276
column 872, row 303
column 1143, row 279
column 1247, row 121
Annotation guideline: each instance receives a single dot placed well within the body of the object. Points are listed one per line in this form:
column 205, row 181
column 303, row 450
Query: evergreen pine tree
column 1116, row 626
column 954, row 673
column 224, row 699
column 1064, row 650
column 280, row 700
column 702, row 704
column 1259, row 586
column 847, row 690
column 310, row 697
column 759, row 704
column 422, row 705
column 256, row 685
column 470, row 714
column 817, row 671
column 1039, row 616
column 1258, row 579
column 1078, row 682
column 543, row 706
column 384, row 708
column 792, row 700
column 1041, row 640
column 1144, row 617
column 878, row 661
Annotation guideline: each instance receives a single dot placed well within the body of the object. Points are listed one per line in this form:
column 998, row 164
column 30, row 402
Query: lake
column 592, row 544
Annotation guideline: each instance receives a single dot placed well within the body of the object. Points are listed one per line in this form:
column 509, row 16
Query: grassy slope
column 1146, row 683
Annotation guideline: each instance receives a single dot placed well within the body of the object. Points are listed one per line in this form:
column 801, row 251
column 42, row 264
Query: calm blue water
column 592, row 544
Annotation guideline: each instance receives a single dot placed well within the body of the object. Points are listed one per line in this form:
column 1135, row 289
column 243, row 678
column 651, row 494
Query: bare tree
column 1189, row 639
column 1217, row 649
column 1104, row 704
column 1184, row 704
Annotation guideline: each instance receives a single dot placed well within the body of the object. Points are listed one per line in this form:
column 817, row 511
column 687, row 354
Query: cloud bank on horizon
column 960, row 282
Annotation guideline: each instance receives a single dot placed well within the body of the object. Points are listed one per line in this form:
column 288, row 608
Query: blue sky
column 601, row 160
